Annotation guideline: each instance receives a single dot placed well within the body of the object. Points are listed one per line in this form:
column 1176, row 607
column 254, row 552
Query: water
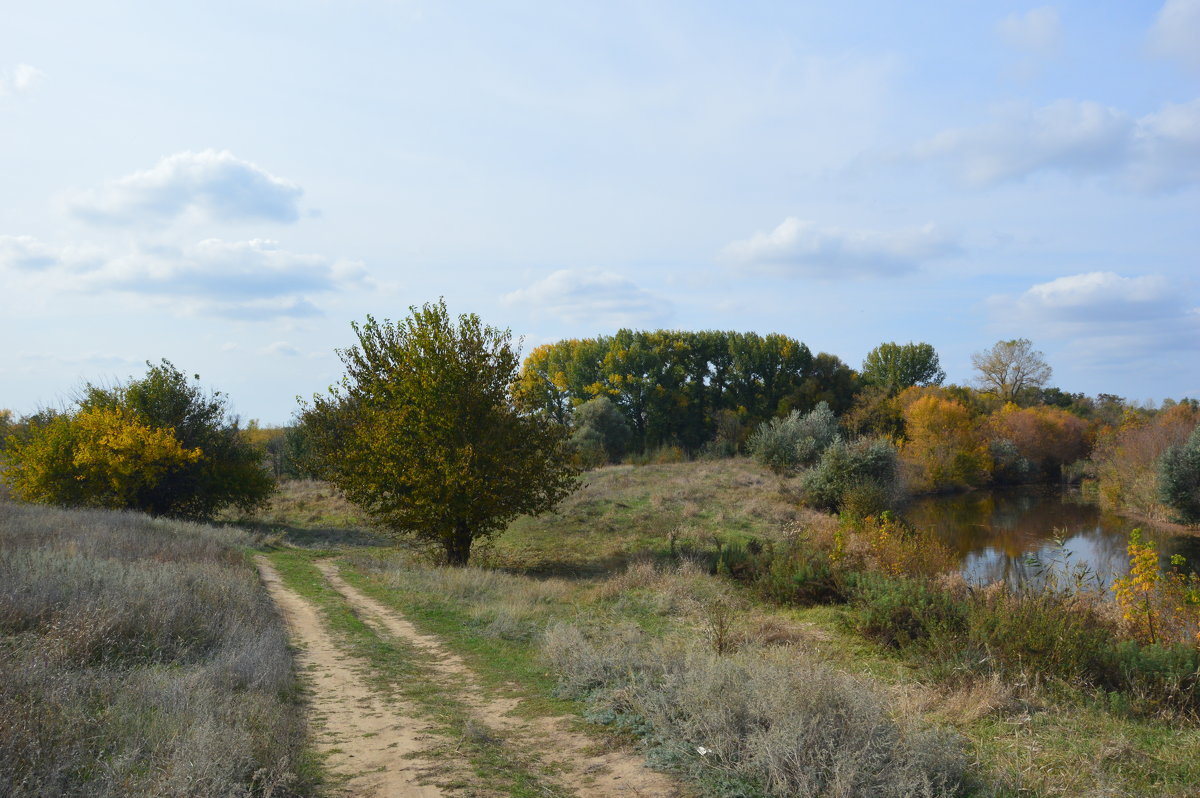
column 994, row 533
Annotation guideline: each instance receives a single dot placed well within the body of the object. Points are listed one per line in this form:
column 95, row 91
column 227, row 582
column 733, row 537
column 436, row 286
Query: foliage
column 1126, row 461
column 1048, row 438
column 601, row 433
column 157, row 444
column 795, row 441
column 876, row 413
column 853, row 470
column 1179, row 479
column 899, row 611
column 6, row 426
column 673, row 387
column 943, row 447
column 1009, row 367
column 1160, row 607
column 895, row 367
column 423, row 434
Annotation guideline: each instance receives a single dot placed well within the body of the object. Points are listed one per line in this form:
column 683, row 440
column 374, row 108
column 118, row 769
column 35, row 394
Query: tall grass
column 139, row 657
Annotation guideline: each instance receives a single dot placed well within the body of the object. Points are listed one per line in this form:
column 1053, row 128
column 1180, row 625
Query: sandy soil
column 373, row 744
column 580, row 766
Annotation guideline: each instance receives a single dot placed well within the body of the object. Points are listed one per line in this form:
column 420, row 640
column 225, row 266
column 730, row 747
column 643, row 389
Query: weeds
column 140, row 656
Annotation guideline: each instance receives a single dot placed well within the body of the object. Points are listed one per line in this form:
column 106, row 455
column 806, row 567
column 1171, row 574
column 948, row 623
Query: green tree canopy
column 1010, row 367
column 898, row 366
column 423, row 433
column 159, row 444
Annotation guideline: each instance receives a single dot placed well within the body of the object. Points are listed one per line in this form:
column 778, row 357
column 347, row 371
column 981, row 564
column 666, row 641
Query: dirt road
column 384, row 748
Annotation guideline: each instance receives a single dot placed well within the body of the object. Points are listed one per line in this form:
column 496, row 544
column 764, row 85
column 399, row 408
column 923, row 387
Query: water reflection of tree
column 995, row 532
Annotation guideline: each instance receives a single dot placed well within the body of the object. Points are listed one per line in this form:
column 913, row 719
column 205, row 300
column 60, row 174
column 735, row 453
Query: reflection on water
column 994, row 533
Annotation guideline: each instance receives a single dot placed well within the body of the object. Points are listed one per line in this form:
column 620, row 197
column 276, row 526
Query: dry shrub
column 139, row 657
column 783, row 726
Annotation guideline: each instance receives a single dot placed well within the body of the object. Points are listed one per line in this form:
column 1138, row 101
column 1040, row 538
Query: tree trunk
column 458, row 544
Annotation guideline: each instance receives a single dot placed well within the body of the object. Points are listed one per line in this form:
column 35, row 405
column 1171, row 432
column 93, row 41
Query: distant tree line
column 685, row 389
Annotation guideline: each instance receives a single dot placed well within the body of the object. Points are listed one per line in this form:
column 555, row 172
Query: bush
column 157, row 444
column 864, row 473
column 1179, row 479
column 900, row 611
column 601, row 431
column 795, row 441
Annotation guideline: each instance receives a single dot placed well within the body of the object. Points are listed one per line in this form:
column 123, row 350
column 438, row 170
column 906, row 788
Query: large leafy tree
column 158, row 444
column 898, row 366
column 423, row 432
column 1010, row 367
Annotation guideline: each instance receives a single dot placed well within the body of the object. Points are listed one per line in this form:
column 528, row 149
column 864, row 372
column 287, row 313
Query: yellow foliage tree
column 943, row 449
column 100, row 457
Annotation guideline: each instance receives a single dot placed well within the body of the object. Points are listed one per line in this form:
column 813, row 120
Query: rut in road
column 573, row 755
column 373, row 743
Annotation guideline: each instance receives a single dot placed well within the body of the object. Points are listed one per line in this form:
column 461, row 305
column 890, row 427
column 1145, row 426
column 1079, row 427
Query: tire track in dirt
column 367, row 739
column 604, row 774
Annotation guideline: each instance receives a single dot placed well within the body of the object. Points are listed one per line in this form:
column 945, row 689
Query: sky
column 229, row 185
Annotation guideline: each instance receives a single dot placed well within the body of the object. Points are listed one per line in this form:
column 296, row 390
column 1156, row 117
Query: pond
column 996, row 532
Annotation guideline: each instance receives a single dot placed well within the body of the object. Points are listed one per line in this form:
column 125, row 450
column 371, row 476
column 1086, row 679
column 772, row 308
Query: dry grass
column 139, row 657
column 786, row 723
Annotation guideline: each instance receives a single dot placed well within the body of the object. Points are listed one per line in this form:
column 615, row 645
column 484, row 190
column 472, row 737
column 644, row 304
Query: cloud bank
column 591, row 296
column 1153, row 153
column 1110, row 315
column 802, row 248
column 245, row 280
column 212, row 185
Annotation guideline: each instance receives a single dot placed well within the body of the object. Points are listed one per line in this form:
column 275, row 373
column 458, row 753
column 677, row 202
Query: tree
column 1010, row 367
column 158, row 444
column 899, row 366
column 424, row 435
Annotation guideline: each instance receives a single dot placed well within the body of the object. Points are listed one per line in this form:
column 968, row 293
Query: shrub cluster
column 158, row 444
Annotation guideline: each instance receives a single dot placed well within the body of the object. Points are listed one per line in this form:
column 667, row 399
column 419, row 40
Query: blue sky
column 229, row 185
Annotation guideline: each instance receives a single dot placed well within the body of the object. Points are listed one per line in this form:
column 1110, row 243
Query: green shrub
column 794, row 441
column 864, row 473
column 1179, row 479
column 900, row 612
column 602, row 433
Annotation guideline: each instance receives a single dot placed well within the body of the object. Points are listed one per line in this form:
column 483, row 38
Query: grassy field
column 141, row 657
column 610, row 602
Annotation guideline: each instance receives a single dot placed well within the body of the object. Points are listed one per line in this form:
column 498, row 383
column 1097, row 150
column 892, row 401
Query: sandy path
column 584, row 769
column 367, row 739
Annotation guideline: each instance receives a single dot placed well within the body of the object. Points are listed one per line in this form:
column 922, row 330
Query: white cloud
column 1037, row 31
column 592, row 296
column 20, row 79
column 1176, row 32
column 281, row 348
column 1156, row 152
column 798, row 247
column 1106, row 314
column 212, row 185
column 246, row 280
